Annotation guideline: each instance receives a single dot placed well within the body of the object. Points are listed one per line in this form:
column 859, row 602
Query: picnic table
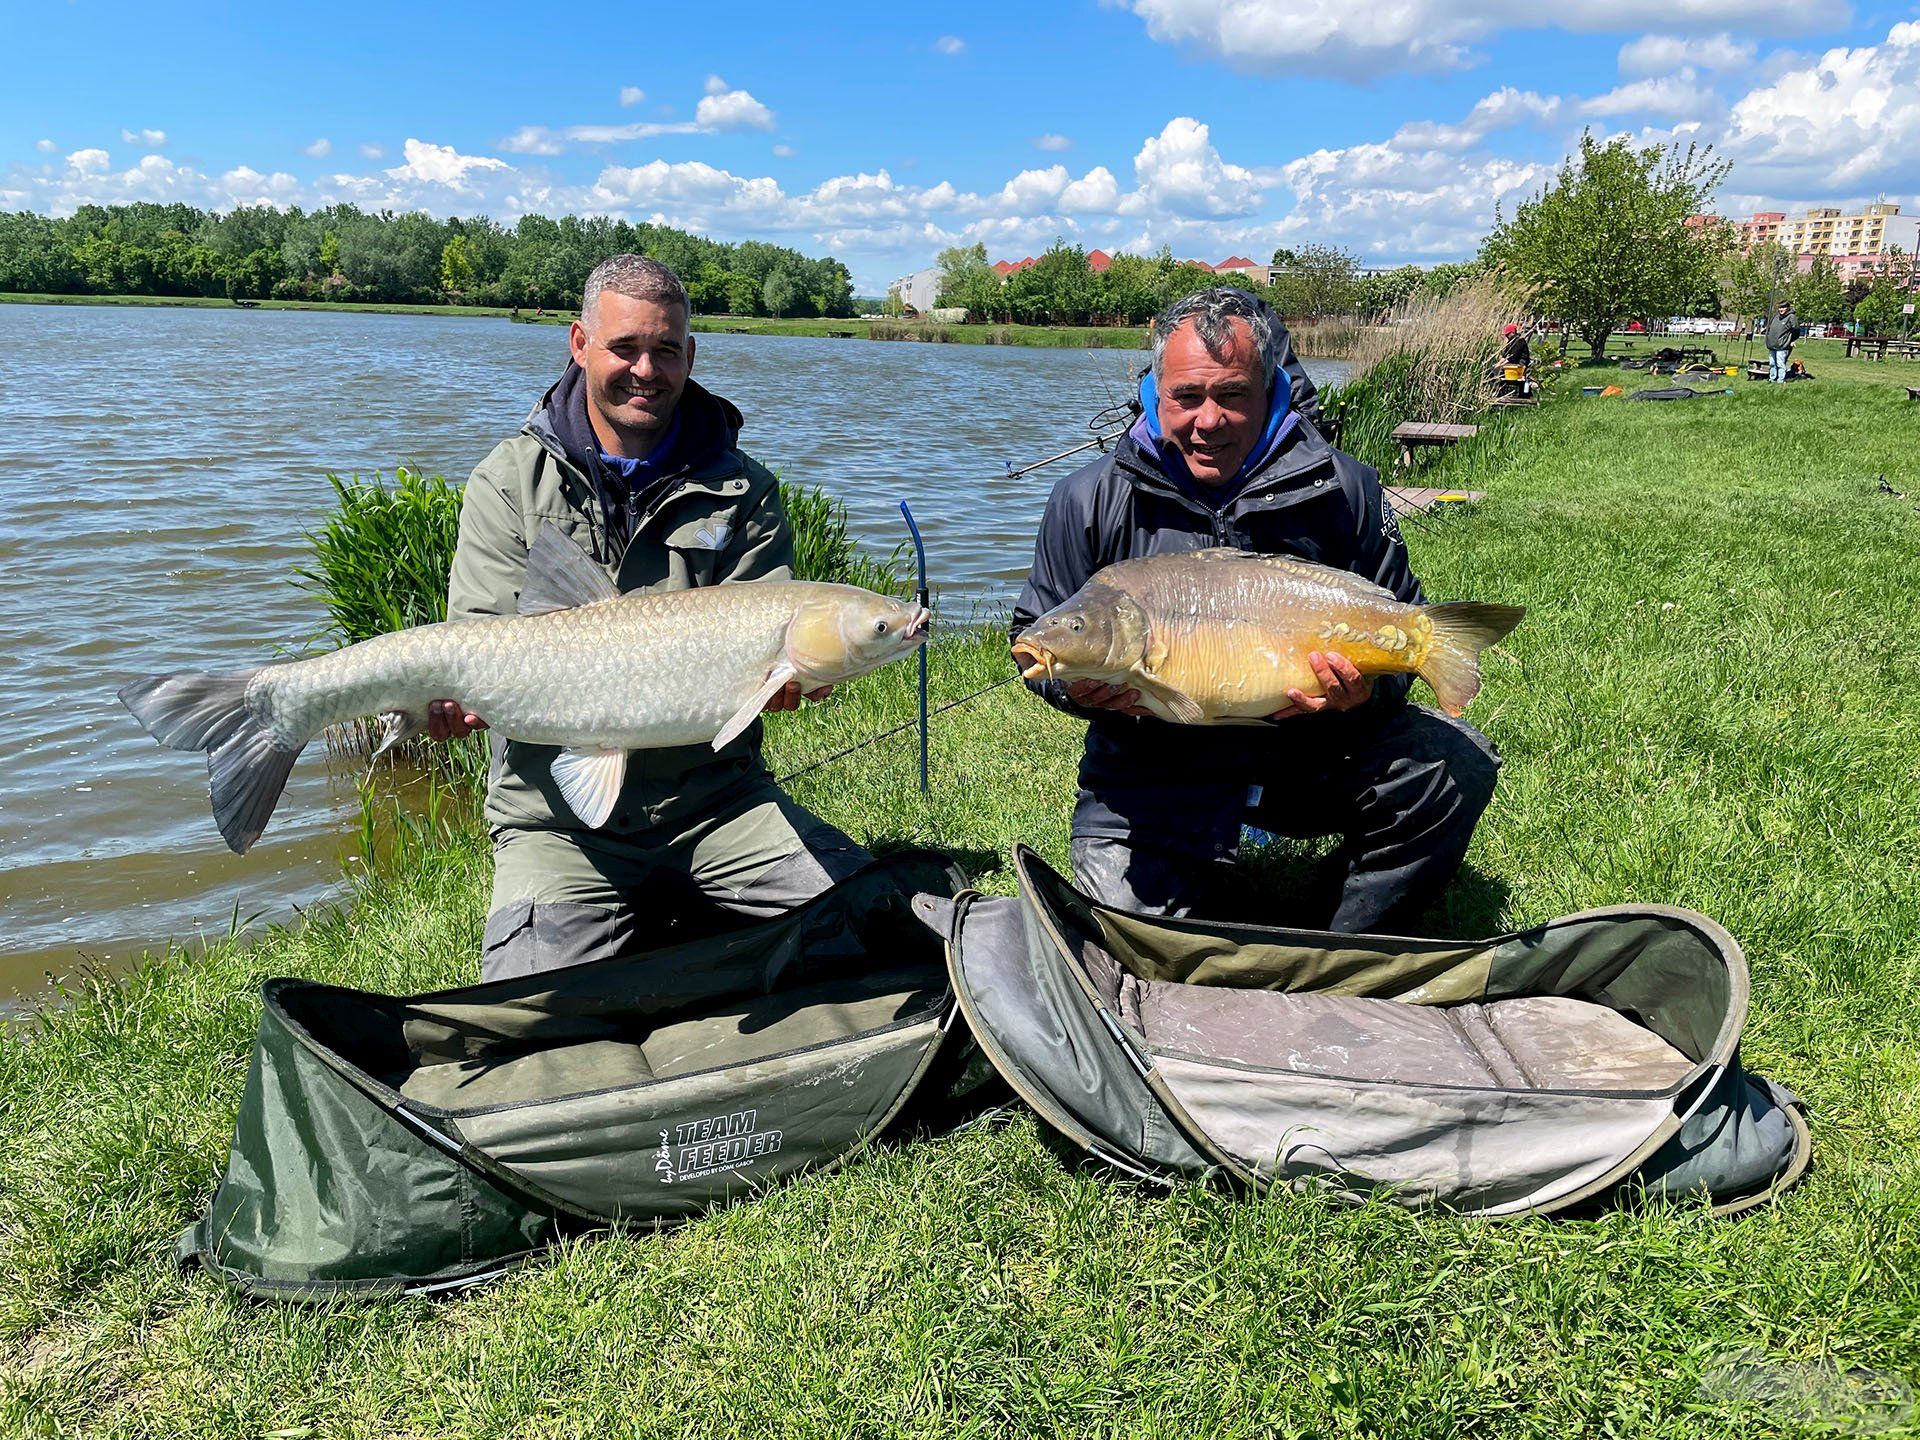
column 1878, row 347
column 1424, row 434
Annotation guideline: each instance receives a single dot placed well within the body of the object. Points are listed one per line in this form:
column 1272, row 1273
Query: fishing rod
column 1108, row 424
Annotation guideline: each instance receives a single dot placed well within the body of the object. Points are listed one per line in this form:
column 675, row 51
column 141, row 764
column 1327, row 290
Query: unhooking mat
column 1592, row 1058
column 424, row 1142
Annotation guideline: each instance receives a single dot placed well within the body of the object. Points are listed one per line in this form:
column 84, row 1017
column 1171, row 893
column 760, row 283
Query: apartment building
column 1856, row 243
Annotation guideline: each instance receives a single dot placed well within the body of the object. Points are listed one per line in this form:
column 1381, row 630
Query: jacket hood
column 1155, row 451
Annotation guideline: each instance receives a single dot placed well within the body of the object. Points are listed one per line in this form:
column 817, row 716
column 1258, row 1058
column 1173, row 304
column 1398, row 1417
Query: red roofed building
column 1003, row 268
column 1099, row 261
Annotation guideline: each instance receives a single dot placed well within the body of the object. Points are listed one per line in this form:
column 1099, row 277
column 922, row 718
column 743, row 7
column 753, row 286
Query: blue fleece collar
column 1280, row 422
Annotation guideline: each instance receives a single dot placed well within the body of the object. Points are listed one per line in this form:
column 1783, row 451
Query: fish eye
column 879, row 627
column 1077, row 624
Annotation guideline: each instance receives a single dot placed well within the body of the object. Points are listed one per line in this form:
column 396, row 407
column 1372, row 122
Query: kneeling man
column 641, row 466
column 1226, row 454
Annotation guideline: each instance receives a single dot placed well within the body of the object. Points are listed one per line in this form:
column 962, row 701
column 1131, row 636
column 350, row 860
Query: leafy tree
column 1880, row 313
column 968, row 282
column 1608, row 239
column 456, row 266
column 330, row 252
column 1748, row 283
column 1818, row 296
column 1314, row 280
column 779, row 293
column 1375, row 295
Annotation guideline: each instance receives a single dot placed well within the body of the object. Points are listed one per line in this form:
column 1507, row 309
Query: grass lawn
column 1713, row 702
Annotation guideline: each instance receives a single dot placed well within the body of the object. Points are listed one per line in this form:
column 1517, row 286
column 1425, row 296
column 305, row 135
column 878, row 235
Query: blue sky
column 881, row 133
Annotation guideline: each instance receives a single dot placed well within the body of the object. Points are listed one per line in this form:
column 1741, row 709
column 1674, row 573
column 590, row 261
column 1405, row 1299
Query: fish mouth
column 1036, row 663
column 916, row 628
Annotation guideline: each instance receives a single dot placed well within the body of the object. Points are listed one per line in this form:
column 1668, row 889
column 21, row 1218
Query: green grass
column 1712, row 702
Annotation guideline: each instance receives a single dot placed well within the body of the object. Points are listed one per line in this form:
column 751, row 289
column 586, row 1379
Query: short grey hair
column 636, row 277
column 1210, row 311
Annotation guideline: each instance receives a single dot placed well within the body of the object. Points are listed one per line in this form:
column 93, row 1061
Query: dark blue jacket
column 1308, row 500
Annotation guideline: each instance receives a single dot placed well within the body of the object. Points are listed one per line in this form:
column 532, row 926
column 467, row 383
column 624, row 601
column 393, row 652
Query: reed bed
column 1433, row 360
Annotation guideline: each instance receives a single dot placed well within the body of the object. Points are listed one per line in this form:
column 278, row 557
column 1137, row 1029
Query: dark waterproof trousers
column 1403, row 794
column 565, row 897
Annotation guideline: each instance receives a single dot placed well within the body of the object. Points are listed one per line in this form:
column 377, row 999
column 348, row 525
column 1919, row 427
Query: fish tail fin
column 1461, row 630
column 247, row 767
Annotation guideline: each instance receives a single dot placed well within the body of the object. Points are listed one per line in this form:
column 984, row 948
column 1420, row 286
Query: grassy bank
column 1712, row 703
column 214, row 302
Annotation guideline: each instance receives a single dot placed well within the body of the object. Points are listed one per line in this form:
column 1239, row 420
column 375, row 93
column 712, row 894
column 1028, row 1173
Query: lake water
column 159, row 469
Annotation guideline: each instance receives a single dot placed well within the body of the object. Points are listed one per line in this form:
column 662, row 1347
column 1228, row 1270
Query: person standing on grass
column 1783, row 328
column 1226, row 453
column 639, row 465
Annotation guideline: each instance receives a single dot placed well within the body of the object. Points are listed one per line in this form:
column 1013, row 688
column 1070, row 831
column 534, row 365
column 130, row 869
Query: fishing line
column 888, row 734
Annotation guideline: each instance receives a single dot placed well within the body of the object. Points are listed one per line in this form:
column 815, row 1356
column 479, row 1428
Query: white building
column 919, row 290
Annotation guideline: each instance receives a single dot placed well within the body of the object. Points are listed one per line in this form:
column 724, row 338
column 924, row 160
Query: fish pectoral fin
column 396, row 728
column 1183, row 707
column 561, row 576
column 749, row 712
column 590, row 782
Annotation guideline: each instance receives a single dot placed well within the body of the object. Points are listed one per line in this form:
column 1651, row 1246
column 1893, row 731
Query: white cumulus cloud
column 1847, row 122
column 373, row 152
column 45, row 147
column 631, row 95
column 723, row 108
column 152, row 139
column 319, row 149
column 1178, row 171
column 1664, row 54
column 1362, row 42
column 442, row 165
column 1675, row 97
column 950, row 45
column 89, row 162
column 1051, row 142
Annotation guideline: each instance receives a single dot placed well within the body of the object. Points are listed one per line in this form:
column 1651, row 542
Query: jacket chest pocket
column 699, row 545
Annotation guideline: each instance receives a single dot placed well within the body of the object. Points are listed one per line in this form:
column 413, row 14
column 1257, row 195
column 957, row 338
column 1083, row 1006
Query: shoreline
column 854, row 327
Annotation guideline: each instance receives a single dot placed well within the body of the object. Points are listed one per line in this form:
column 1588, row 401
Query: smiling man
column 1226, row 453
column 640, row 465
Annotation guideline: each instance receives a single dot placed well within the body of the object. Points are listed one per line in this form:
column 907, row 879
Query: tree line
column 1060, row 288
column 1617, row 235
column 343, row 253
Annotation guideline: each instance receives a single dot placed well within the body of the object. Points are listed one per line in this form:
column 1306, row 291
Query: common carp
column 1221, row 636
column 581, row 666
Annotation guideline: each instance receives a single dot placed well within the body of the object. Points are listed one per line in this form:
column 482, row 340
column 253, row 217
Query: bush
column 380, row 562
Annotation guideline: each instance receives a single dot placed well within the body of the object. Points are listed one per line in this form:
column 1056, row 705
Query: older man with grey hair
column 1226, row 453
column 640, row 465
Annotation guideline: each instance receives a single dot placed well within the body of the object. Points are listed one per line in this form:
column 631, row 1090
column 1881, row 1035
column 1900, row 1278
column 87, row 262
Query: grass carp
column 581, row 666
column 1221, row 636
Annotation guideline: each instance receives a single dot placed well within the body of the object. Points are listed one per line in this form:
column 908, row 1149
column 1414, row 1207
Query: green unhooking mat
column 424, row 1142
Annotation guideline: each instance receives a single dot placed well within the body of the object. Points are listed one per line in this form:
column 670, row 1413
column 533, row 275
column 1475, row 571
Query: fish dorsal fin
column 590, row 781
column 1346, row 578
column 561, row 576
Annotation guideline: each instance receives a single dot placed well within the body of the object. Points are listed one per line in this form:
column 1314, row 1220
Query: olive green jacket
column 720, row 521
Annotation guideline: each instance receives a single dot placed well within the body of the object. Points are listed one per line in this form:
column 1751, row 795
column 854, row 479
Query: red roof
column 1235, row 262
column 1098, row 260
column 1003, row 268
